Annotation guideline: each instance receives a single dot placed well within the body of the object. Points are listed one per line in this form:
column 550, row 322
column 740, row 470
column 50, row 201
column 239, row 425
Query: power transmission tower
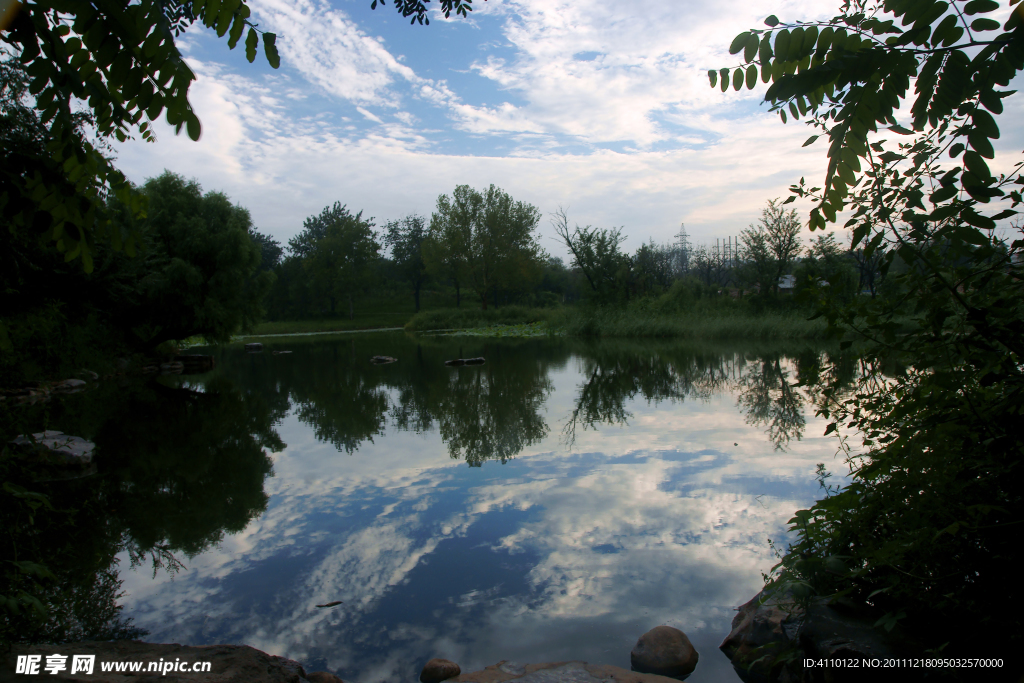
column 683, row 249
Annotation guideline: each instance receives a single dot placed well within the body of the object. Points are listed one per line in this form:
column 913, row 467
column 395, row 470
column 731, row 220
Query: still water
column 552, row 504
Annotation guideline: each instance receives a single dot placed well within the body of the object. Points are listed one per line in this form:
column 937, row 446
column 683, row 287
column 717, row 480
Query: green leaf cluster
column 121, row 61
column 849, row 75
column 925, row 532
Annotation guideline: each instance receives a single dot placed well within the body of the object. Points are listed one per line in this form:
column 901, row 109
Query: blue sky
column 602, row 107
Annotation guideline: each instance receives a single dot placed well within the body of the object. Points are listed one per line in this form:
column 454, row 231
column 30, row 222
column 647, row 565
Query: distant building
column 787, row 283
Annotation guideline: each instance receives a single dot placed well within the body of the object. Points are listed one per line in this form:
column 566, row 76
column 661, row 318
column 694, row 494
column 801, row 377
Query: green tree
column 119, row 60
column 337, row 250
column 200, row 269
column 270, row 250
column 596, row 253
column 771, row 247
column 488, row 239
column 446, row 248
column 924, row 532
column 405, row 238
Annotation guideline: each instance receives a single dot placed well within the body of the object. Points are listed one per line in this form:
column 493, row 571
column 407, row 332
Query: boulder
column 770, row 625
column 228, row 663
column 172, row 368
column 558, row 672
column 383, row 360
column 60, row 447
column 253, row 347
column 665, row 651
column 323, row 677
column 69, row 386
column 195, row 363
column 437, row 670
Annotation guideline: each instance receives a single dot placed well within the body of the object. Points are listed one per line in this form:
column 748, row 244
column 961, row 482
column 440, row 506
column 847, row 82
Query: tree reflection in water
column 177, row 468
column 181, row 465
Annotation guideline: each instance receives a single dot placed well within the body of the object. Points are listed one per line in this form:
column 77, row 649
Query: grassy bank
column 710, row 325
column 371, row 322
column 472, row 317
column 721, row 325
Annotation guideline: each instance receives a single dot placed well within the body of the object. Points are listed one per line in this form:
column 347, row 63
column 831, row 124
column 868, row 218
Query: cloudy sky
column 601, row 107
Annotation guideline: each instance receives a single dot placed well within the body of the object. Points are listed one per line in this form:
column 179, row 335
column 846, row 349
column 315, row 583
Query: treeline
column 477, row 244
column 484, row 245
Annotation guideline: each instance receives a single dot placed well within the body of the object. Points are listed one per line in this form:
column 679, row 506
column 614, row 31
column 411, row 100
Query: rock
column 228, row 663
column 62, row 456
column 150, row 369
column 382, row 360
column 466, row 361
column 278, row 353
column 254, row 347
column 195, row 363
column 769, row 625
column 69, row 386
column 69, row 449
column 172, row 368
column 558, row 672
column 323, row 677
column 88, row 375
column 437, row 670
column 665, row 651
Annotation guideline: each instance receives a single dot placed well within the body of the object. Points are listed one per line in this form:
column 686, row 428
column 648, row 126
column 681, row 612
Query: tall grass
column 471, row 317
column 692, row 324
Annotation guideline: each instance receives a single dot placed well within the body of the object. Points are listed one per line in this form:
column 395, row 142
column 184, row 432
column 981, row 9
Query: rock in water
column 383, row 360
column 437, row 670
column 253, row 347
column 665, row 651
column 64, row 448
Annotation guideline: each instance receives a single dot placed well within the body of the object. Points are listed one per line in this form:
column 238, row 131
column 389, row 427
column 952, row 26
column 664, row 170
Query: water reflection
column 631, row 492
column 177, row 470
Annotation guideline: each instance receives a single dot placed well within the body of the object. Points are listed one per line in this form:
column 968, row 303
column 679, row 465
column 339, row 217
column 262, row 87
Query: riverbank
column 703, row 325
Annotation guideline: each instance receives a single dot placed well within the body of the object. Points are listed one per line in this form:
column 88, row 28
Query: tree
column 405, row 238
column 200, row 269
column 270, row 250
column 596, row 253
column 119, row 60
column 924, row 531
column 337, row 251
column 771, row 246
column 487, row 239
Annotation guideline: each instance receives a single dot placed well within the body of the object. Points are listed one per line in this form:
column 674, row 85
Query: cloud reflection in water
column 553, row 555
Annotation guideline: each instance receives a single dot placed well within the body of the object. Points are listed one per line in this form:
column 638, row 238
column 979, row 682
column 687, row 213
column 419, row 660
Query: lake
column 552, row 504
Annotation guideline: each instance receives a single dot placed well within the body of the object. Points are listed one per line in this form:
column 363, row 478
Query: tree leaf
column 252, row 40
column 270, row 49
column 985, row 24
column 772, row 20
column 738, row 43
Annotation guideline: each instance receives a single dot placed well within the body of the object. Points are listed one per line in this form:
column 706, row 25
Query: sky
column 602, row 108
